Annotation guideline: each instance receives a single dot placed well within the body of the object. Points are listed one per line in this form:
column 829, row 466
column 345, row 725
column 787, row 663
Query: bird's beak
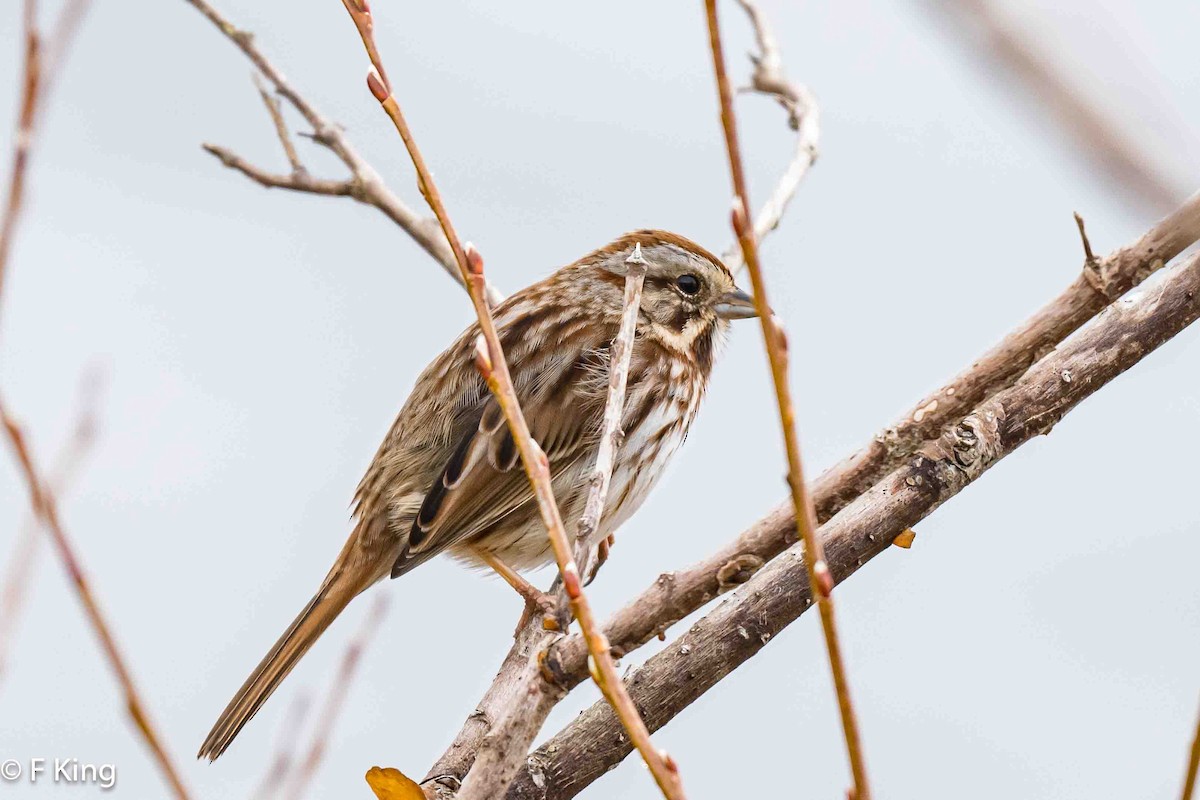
column 735, row 305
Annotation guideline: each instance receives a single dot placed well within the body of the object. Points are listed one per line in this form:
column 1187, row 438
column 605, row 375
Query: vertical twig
column 776, row 345
column 490, row 361
column 614, row 406
column 334, row 700
column 44, row 506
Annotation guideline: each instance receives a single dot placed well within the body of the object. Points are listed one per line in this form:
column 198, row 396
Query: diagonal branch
column 22, row 564
column 489, row 359
column 677, row 594
column 1193, row 767
column 780, row 592
column 46, row 508
column 775, row 341
column 1098, row 136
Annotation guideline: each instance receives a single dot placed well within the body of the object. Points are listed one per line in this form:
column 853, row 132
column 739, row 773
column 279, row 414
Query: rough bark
column 779, row 593
column 677, row 594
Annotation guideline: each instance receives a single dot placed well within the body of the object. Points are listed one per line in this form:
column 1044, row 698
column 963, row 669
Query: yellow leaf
column 389, row 783
column 905, row 538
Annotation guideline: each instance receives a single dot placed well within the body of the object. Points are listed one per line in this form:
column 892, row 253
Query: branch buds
column 474, row 259
column 483, row 360
column 824, row 578
column 570, row 576
column 740, row 220
column 376, row 86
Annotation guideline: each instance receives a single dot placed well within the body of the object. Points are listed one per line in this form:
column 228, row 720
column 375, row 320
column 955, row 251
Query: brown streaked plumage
column 447, row 477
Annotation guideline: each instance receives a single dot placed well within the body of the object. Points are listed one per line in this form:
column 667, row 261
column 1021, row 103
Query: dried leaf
column 389, row 783
column 905, row 538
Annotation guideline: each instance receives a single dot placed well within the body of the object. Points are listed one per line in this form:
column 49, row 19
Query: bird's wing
column 483, row 480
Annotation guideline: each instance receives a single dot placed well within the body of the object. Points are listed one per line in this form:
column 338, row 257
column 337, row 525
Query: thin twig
column 23, row 144
column 275, row 110
column 1189, row 780
column 301, row 779
column 776, row 346
column 364, row 185
column 803, row 117
column 492, row 717
column 22, row 565
column 299, row 181
column 285, row 749
column 1099, row 136
column 489, row 359
column 44, row 506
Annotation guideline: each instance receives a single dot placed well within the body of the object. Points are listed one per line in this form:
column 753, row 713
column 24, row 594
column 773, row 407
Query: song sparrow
column 447, row 477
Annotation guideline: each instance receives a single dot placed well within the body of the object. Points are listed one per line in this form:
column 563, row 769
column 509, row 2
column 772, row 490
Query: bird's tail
column 333, row 597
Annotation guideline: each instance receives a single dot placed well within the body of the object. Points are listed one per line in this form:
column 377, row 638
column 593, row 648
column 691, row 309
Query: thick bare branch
column 677, row 594
column 741, row 626
column 775, row 341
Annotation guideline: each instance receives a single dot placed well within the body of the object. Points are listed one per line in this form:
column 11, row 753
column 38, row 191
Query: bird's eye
column 689, row 284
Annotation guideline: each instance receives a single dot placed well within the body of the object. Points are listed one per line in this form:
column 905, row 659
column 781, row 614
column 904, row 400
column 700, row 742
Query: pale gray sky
column 1040, row 640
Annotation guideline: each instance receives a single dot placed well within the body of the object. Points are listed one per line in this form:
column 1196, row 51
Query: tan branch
column 780, row 592
column 775, row 340
column 23, row 563
column 490, row 361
